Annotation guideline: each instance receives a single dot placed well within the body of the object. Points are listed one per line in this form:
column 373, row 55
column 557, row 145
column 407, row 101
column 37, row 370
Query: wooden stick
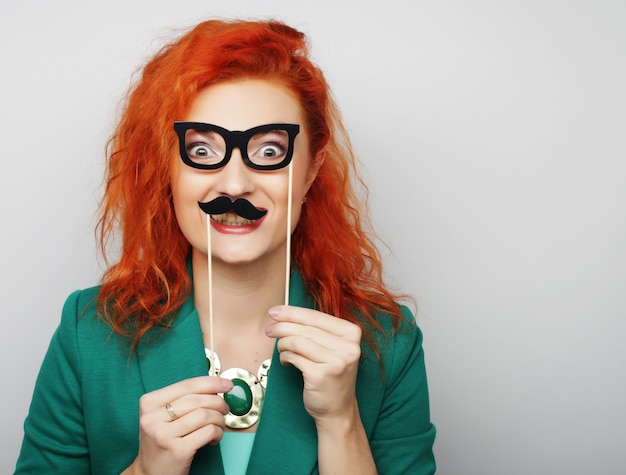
column 288, row 246
column 210, row 281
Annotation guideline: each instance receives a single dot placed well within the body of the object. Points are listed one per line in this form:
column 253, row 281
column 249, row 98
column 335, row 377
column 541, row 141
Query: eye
column 270, row 151
column 267, row 153
column 199, row 150
column 268, row 148
column 204, row 146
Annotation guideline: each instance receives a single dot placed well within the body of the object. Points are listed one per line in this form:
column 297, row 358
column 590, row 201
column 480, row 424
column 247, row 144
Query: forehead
column 240, row 105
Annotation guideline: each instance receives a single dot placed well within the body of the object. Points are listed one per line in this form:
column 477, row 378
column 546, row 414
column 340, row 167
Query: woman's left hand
column 326, row 349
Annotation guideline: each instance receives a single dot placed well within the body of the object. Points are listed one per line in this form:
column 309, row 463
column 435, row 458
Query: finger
column 189, row 433
column 196, row 420
column 209, row 434
column 198, row 385
column 190, row 402
column 305, row 365
column 326, row 341
column 303, row 347
column 317, row 374
column 314, row 318
column 306, row 341
column 286, row 328
column 341, row 355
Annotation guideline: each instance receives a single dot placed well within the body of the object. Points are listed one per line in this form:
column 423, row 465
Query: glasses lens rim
column 235, row 139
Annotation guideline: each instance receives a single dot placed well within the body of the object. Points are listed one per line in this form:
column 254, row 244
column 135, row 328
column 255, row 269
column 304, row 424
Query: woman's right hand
column 175, row 421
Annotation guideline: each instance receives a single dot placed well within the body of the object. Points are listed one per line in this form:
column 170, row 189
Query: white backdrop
column 493, row 134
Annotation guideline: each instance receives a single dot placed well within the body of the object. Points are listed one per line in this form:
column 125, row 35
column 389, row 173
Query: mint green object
column 235, row 448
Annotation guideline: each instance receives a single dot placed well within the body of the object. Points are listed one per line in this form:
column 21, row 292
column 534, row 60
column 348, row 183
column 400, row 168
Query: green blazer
column 84, row 416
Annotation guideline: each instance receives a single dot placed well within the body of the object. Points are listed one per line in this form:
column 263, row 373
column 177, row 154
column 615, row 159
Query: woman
column 229, row 176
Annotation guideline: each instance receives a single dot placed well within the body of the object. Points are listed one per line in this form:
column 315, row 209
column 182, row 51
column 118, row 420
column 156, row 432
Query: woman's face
column 239, row 106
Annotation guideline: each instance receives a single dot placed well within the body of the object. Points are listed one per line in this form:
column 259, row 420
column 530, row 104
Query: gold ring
column 171, row 412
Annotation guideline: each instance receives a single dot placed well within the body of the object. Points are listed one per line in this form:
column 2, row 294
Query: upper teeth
column 231, row 219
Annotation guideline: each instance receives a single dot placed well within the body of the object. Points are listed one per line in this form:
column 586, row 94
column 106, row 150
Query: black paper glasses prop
column 209, row 146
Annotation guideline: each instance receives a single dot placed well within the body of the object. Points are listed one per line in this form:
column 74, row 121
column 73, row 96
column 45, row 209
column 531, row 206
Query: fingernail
column 274, row 311
column 268, row 329
column 227, row 384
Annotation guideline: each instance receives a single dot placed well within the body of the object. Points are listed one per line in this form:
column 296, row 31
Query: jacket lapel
column 169, row 356
column 286, row 439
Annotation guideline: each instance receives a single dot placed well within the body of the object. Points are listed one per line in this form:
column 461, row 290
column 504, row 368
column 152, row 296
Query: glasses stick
column 288, row 242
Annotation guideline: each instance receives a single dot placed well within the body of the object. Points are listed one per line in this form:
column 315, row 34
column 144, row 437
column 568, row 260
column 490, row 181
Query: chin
column 246, row 255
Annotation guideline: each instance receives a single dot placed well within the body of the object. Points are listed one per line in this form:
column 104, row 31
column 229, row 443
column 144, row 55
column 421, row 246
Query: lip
column 242, row 229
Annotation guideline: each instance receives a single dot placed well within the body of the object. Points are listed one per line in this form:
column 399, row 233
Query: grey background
column 492, row 133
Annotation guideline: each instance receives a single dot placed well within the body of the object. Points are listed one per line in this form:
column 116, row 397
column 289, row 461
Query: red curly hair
column 339, row 263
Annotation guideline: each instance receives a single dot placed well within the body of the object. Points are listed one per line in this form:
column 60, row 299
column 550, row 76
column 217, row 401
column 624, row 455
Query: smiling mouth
column 231, row 219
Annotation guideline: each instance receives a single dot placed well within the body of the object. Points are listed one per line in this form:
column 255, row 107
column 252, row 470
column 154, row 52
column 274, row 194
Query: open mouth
column 231, row 219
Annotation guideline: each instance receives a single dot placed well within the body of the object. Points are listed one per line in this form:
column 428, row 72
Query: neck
column 242, row 294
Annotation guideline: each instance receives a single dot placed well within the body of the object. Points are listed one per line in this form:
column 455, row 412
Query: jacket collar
column 286, row 439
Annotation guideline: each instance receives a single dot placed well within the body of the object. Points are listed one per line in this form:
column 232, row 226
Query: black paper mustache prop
column 241, row 206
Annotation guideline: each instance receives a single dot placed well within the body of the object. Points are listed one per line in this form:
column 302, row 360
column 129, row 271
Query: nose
column 235, row 179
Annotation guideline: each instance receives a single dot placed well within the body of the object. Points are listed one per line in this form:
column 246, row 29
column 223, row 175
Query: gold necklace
column 245, row 400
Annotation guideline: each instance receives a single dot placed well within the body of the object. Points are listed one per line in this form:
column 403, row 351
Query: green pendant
column 239, row 399
column 245, row 400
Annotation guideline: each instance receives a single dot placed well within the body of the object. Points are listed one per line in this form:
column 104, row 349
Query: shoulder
column 395, row 362
column 408, row 336
column 78, row 309
column 397, row 350
column 81, row 301
column 80, row 325
column 403, row 354
column 396, row 339
column 84, row 340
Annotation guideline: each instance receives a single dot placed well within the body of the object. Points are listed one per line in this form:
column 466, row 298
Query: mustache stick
column 213, row 371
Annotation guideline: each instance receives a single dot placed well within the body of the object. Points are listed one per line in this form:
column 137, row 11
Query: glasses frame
column 235, row 139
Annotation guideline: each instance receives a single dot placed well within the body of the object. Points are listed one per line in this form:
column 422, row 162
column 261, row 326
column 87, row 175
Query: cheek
column 189, row 185
column 184, row 215
column 186, row 192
